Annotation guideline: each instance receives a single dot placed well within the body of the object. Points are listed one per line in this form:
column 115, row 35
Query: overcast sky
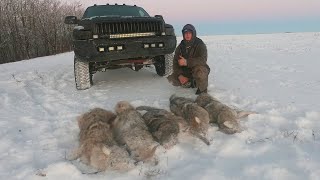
column 233, row 16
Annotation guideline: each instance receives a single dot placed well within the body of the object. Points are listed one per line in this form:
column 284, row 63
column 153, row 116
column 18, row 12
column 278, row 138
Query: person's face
column 187, row 36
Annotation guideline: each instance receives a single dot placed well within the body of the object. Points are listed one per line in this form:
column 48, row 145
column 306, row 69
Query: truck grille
column 109, row 28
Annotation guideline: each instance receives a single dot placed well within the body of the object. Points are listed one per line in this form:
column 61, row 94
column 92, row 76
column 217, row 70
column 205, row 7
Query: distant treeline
column 34, row 28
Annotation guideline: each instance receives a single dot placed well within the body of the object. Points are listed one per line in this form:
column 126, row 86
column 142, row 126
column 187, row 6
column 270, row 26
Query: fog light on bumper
column 119, row 48
column 101, row 49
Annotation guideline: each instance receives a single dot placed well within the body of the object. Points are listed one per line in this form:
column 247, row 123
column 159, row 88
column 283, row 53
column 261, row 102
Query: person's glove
column 183, row 80
column 182, row 61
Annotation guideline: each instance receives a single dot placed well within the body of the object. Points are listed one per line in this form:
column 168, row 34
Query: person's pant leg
column 200, row 75
column 173, row 78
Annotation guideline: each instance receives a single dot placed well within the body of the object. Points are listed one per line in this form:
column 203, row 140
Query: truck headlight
column 82, row 35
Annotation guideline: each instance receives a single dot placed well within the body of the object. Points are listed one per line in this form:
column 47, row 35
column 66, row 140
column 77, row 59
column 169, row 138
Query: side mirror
column 168, row 26
column 158, row 16
column 71, row 20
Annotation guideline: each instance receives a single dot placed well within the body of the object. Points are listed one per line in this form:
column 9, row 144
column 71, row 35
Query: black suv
column 116, row 36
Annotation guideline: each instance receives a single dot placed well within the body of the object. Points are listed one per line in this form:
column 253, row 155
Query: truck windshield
column 114, row 10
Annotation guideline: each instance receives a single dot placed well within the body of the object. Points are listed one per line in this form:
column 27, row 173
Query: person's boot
column 199, row 92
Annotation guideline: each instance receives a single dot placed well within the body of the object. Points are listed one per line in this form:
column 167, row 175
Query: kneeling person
column 190, row 67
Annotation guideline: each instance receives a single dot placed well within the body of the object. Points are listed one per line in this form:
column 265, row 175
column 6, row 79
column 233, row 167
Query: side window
column 142, row 14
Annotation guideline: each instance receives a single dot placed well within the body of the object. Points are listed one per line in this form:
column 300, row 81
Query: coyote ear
column 243, row 114
column 228, row 124
column 197, row 120
column 106, row 151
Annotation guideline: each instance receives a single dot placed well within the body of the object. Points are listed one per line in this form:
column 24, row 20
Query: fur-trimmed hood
column 190, row 28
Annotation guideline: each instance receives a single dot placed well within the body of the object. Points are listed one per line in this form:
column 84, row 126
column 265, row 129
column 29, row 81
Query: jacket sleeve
column 177, row 53
column 200, row 57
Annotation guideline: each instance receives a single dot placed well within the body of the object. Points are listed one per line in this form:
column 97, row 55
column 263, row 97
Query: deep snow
column 274, row 74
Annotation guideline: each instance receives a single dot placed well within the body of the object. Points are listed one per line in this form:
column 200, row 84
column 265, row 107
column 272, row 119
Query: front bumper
column 132, row 48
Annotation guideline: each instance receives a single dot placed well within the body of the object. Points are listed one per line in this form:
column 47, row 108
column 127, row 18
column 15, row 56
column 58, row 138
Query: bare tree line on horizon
column 35, row 28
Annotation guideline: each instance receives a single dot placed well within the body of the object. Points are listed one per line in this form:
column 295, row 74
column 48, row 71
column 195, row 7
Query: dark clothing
column 195, row 52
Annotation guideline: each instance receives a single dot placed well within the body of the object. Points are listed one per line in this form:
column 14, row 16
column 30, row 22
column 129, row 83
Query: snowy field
column 276, row 75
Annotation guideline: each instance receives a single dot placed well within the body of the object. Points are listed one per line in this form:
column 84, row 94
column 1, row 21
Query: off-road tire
column 164, row 64
column 82, row 76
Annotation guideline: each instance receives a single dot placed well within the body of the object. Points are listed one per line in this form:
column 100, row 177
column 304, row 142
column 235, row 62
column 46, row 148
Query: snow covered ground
column 274, row 74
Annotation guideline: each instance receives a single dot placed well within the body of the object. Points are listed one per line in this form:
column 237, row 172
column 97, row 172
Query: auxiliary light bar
column 114, row 36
